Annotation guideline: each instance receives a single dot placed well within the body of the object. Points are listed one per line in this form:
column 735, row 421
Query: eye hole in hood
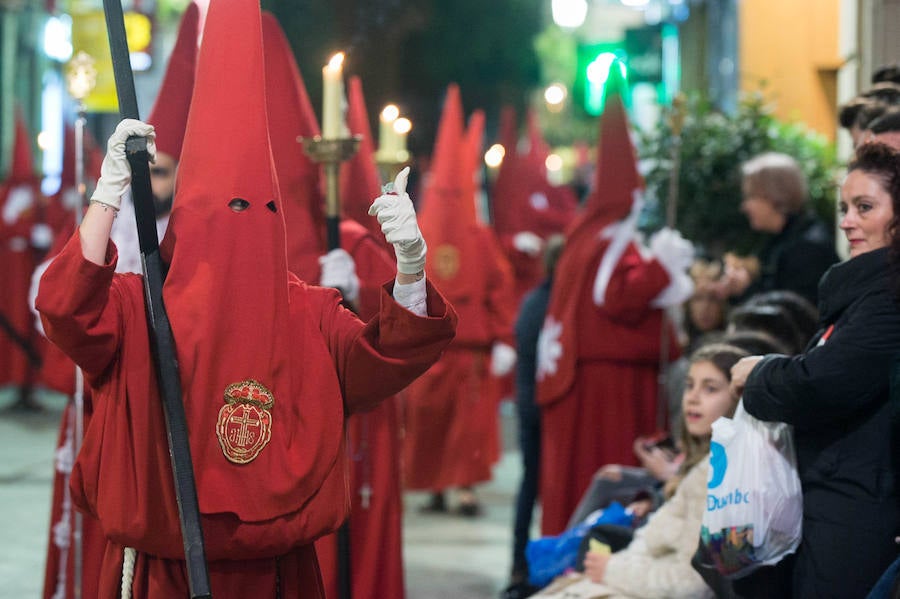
column 239, row 204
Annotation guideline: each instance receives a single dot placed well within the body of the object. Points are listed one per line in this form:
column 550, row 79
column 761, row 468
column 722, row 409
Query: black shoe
column 469, row 509
column 437, row 504
column 26, row 404
column 518, row 590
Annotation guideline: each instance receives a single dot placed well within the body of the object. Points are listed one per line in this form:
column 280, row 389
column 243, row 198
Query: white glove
column 503, row 358
column 19, row 199
column 397, row 216
column 676, row 255
column 672, row 250
column 339, row 271
column 115, row 173
column 41, row 236
column 528, row 243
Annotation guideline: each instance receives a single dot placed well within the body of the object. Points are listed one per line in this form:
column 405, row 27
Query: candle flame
column 494, row 156
column 390, row 113
column 336, row 61
column 402, row 126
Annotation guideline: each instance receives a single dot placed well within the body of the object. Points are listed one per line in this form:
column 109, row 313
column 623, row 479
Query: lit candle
column 332, row 97
column 386, row 142
column 401, row 129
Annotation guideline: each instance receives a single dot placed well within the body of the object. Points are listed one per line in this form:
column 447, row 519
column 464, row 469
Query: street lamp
column 569, row 13
column 554, row 96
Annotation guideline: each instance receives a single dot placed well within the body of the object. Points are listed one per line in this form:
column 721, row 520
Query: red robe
column 58, row 373
column 17, row 261
column 451, row 425
column 376, row 503
column 123, row 475
column 612, row 399
column 59, row 571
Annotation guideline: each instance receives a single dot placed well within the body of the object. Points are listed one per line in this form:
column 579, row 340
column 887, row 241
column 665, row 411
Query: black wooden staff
column 161, row 340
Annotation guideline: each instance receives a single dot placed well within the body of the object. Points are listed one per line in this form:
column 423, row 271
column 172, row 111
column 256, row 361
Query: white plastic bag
column 754, row 504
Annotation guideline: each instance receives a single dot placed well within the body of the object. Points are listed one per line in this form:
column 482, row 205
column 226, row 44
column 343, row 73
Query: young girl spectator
column 657, row 561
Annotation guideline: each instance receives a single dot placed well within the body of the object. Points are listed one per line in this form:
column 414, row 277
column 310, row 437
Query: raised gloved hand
column 339, row 271
column 41, row 236
column 394, row 211
column 528, row 243
column 503, row 359
column 115, row 173
column 19, row 199
column 672, row 250
column 675, row 254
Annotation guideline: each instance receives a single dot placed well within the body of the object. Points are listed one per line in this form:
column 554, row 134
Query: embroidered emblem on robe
column 446, row 261
column 244, row 426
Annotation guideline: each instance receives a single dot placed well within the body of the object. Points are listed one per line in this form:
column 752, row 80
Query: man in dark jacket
column 528, row 328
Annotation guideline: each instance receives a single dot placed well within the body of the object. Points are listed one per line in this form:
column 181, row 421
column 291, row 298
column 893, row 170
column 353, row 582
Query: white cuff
column 412, row 296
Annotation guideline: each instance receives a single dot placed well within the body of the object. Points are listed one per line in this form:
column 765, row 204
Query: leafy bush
column 713, row 147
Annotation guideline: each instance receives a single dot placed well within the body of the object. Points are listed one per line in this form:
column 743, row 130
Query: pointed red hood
column 611, row 201
column 360, row 182
column 474, row 150
column 227, row 292
column 505, row 211
column 616, row 176
column 22, row 168
column 523, row 199
column 508, row 136
column 291, row 116
column 449, row 171
column 447, row 217
column 538, row 150
column 170, row 110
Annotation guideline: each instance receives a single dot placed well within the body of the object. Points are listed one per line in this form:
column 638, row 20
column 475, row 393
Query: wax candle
column 386, row 135
column 332, row 96
column 402, row 127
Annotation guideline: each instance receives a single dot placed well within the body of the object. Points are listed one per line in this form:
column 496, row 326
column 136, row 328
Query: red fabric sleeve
column 501, row 300
column 74, row 300
column 383, row 356
column 633, row 285
column 375, row 267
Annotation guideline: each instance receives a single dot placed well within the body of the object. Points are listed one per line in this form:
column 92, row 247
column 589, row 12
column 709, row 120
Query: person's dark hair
column 756, row 343
column 887, row 72
column 722, row 357
column 884, row 91
column 803, row 313
column 883, row 162
column 887, row 122
column 869, row 112
column 771, row 319
column 777, row 178
column 552, row 252
column 848, row 112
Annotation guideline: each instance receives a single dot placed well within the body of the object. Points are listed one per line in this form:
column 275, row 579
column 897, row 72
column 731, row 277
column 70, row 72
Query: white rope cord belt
column 128, row 572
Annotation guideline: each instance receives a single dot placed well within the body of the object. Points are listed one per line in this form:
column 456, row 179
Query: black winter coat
column 796, row 258
column 838, row 399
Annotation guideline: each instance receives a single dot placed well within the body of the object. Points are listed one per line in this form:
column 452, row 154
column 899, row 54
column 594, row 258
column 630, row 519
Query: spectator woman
column 836, row 395
column 801, row 246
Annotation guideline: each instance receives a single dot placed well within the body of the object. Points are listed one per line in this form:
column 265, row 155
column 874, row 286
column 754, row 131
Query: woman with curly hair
column 837, row 395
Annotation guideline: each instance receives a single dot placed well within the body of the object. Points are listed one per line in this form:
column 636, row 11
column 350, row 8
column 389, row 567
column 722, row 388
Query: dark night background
column 408, row 52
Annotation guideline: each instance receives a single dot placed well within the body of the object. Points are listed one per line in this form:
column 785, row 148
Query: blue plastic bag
column 548, row 557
